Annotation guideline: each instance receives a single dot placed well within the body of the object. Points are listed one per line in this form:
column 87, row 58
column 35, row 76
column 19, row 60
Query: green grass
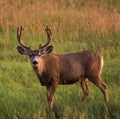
column 76, row 26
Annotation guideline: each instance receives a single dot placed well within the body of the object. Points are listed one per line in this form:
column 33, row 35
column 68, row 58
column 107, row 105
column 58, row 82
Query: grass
column 76, row 25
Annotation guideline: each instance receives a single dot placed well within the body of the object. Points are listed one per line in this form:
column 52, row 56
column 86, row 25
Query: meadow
column 76, row 25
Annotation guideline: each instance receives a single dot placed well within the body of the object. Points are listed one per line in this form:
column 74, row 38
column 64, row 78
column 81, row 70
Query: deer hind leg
column 101, row 86
column 51, row 89
column 85, row 89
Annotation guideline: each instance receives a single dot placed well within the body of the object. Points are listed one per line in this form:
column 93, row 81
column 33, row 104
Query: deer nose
column 35, row 62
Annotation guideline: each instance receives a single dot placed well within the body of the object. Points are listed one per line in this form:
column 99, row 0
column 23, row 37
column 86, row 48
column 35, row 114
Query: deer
column 53, row 70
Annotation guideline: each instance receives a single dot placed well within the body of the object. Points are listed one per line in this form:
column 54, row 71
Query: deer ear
column 22, row 50
column 47, row 50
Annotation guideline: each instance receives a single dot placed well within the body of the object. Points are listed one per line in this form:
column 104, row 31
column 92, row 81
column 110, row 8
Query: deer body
column 55, row 69
column 68, row 68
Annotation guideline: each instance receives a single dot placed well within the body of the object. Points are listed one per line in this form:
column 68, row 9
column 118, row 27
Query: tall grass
column 76, row 25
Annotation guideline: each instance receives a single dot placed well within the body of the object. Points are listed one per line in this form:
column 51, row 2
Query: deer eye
column 39, row 54
column 30, row 55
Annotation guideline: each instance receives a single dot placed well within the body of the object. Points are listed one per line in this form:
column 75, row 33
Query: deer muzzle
column 35, row 62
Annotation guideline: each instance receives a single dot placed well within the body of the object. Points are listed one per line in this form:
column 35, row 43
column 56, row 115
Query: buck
column 55, row 69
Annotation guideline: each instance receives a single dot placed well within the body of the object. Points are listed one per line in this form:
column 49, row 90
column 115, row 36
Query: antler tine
column 19, row 36
column 49, row 33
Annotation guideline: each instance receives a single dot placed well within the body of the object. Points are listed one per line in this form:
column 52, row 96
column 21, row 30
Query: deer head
column 34, row 55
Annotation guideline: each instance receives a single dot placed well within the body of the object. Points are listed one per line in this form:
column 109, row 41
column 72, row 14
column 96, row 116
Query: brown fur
column 70, row 68
column 55, row 69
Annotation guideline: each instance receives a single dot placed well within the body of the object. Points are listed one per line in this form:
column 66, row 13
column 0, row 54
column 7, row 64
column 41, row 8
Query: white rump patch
column 102, row 63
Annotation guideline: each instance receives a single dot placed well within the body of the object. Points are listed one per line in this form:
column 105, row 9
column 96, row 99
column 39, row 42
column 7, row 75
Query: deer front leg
column 51, row 89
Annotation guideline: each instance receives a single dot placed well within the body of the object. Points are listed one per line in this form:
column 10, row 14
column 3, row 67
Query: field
column 76, row 25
